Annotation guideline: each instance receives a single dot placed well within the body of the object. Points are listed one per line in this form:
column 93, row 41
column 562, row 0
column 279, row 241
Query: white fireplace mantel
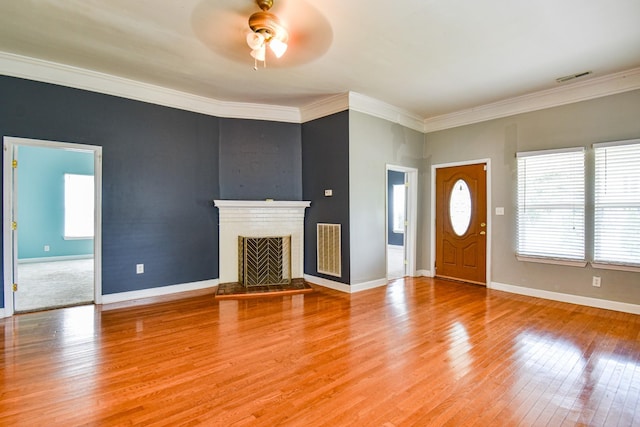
column 259, row 218
column 267, row 204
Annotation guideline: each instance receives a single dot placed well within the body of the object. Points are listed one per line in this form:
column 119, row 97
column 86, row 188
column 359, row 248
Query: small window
column 398, row 208
column 78, row 206
column 617, row 203
column 460, row 207
column 551, row 205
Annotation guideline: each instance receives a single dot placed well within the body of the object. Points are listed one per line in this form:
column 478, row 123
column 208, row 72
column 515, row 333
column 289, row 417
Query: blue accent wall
column 41, row 201
column 260, row 160
column 325, row 165
column 161, row 170
column 393, row 178
column 160, row 175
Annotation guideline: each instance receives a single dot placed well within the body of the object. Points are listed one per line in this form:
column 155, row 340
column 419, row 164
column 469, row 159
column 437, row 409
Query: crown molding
column 373, row 107
column 79, row 78
column 324, row 107
column 610, row 84
column 363, row 104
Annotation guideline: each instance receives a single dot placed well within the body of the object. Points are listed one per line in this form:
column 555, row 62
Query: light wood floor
column 419, row 352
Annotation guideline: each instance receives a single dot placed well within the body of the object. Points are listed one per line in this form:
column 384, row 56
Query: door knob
column 483, row 233
column 483, row 225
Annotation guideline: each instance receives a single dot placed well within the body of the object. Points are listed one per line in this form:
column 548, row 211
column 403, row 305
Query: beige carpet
column 45, row 285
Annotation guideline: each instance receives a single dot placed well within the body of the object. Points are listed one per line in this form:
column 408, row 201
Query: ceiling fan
column 237, row 31
column 266, row 30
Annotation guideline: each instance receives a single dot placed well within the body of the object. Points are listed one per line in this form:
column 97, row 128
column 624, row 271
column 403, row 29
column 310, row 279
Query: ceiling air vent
column 573, row 76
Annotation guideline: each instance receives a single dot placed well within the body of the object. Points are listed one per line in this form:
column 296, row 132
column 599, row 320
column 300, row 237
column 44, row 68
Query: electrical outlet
column 596, row 281
column 46, row 248
column 139, row 268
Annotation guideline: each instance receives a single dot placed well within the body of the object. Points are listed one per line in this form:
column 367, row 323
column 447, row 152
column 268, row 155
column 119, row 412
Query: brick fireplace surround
column 259, row 219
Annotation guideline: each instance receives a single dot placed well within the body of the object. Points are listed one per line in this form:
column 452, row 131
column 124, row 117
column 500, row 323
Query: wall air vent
column 573, row 76
column 329, row 253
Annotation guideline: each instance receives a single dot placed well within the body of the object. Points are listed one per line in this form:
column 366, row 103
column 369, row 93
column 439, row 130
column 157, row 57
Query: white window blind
column 551, row 204
column 617, row 203
column 78, row 206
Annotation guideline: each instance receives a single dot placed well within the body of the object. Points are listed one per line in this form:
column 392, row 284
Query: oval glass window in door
column 460, row 207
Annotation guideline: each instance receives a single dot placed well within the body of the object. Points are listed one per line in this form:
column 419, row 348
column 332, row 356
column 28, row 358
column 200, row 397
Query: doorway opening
column 51, row 230
column 401, row 212
column 461, row 227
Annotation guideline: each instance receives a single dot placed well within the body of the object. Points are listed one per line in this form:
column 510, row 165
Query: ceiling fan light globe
column 259, row 53
column 255, row 40
column 278, row 47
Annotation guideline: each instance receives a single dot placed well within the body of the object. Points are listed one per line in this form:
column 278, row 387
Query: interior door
column 461, row 223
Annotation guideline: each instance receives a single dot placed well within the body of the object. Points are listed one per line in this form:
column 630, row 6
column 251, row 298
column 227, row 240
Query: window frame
column 551, row 258
column 603, row 263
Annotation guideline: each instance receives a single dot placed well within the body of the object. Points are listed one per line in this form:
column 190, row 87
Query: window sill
column 77, row 238
column 570, row 263
column 620, row 267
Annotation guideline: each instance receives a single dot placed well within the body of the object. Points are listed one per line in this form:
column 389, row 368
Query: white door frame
column 10, row 250
column 434, row 168
column 411, row 216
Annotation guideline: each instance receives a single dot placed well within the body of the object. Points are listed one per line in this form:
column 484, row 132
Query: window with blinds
column 617, row 203
column 551, row 204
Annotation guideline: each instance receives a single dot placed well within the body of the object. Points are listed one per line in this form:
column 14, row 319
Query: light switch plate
column 500, row 211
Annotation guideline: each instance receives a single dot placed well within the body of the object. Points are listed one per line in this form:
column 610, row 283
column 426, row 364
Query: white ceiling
column 429, row 57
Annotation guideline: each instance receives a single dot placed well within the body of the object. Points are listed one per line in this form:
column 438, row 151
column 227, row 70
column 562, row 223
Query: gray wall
column 374, row 143
column 610, row 118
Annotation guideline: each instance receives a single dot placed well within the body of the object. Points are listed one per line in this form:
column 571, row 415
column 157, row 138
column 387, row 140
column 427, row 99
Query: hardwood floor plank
column 417, row 352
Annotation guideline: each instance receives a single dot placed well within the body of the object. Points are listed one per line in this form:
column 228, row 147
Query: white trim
column 434, row 168
column 7, row 240
column 615, row 143
column 350, row 289
column 620, row 267
column 410, row 237
column 556, row 261
column 9, row 142
column 373, row 107
column 275, row 204
column 424, row 273
column 569, row 298
column 358, row 287
column 551, row 151
column 611, row 84
column 2, row 313
column 331, row 284
column 79, row 78
column 159, row 291
column 324, row 107
column 54, row 259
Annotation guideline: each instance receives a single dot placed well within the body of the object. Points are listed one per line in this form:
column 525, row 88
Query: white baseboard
column 350, row 289
column 54, row 258
column 424, row 273
column 2, row 313
column 573, row 299
column 357, row 287
column 160, row 291
column 337, row 286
